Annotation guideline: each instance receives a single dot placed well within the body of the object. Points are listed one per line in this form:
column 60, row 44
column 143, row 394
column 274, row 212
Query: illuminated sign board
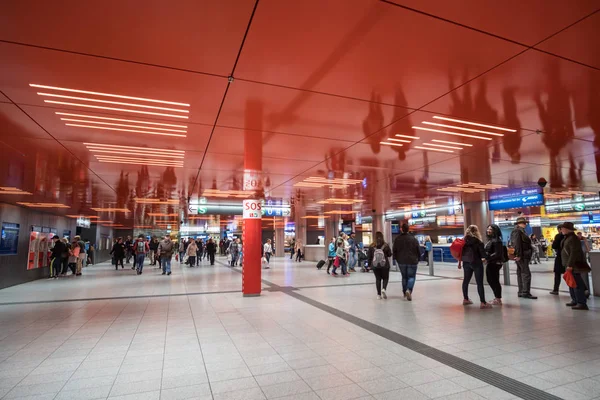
column 516, row 198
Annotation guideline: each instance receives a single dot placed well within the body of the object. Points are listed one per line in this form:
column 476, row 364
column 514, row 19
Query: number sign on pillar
column 252, row 243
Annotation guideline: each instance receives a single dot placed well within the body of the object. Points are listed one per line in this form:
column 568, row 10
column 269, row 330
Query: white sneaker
column 408, row 295
column 383, row 294
column 378, row 297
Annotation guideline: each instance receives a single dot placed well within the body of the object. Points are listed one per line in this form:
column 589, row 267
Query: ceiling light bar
column 125, row 130
column 43, row 205
column 81, row 216
column 110, row 209
column 117, row 103
column 107, row 95
column 307, row 184
column 442, row 145
column 398, row 140
column 460, row 121
column 451, row 133
column 315, row 217
column 463, row 129
column 135, row 153
column 155, row 201
column 391, row 144
column 125, row 125
column 115, row 109
column 119, row 119
column 140, row 163
column 429, row 148
column 408, row 137
column 116, row 146
column 449, row 142
column 162, row 215
column 137, row 157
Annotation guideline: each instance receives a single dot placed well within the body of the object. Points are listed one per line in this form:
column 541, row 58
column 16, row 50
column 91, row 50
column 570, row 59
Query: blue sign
column 9, row 239
column 517, row 202
column 514, row 193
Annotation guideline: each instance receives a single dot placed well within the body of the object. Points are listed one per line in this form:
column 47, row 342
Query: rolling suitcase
column 320, row 264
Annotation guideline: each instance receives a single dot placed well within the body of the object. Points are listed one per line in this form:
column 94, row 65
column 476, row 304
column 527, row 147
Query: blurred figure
column 299, row 251
column 330, row 254
column 118, row 253
column 192, row 252
column 558, row 267
column 535, row 246
column 211, row 249
column 234, row 250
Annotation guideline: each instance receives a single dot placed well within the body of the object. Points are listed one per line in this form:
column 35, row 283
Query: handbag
column 570, row 279
column 336, row 262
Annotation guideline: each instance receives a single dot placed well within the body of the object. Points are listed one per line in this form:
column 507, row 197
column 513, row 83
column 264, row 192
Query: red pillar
column 252, row 230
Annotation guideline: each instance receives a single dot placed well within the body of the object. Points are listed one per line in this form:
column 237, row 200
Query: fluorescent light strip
column 115, row 109
column 463, row 129
column 392, row 144
column 118, row 103
column 140, row 163
column 474, row 123
column 457, row 143
column 398, row 140
column 134, row 153
column 108, row 95
column 119, row 119
column 139, row 158
column 429, row 148
column 126, row 130
column 116, row 146
column 408, row 137
column 125, row 125
column 441, row 145
column 451, row 133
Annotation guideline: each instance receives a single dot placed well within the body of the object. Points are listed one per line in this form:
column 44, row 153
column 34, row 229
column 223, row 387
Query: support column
column 252, row 231
column 475, row 209
column 380, row 194
column 332, row 228
column 299, row 221
column 279, row 240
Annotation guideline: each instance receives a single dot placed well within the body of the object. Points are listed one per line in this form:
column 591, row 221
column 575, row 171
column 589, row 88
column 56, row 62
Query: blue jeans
column 181, row 256
column 578, row 293
column 342, row 265
column 352, row 260
column 139, row 261
column 409, row 275
column 166, row 264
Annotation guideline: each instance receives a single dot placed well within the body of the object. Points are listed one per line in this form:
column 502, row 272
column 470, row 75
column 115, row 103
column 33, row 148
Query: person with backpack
column 140, row 248
column 330, row 254
column 407, row 253
column 379, row 261
column 495, row 257
column 165, row 250
column 523, row 253
column 471, row 261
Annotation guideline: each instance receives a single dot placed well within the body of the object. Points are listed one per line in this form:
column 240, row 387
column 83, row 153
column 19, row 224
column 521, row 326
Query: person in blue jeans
column 165, row 250
column 407, row 252
column 140, row 248
column 340, row 254
column 471, row 260
column 352, row 252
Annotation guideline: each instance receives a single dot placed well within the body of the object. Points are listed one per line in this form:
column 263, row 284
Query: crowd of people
column 68, row 255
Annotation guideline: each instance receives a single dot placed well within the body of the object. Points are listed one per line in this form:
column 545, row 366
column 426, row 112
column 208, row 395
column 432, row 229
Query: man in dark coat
column 573, row 259
column 558, row 267
column 523, row 252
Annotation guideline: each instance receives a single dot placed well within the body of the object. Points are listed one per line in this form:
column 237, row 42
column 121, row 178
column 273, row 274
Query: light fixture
column 106, row 128
column 449, row 142
column 110, row 209
column 82, row 216
column 315, row 217
column 162, row 215
column 429, row 148
column 117, row 103
column 115, row 109
column 135, row 153
column 443, row 146
column 13, row 190
column 397, row 140
column 43, row 205
column 107, row 95
column 408, row 137
column 125, row 125
column 143, row 200
column 154, row 164
column 391, row 144
column 128, row 148
column 463, row 129
column 341, row 212
column 460, row 121
column 120, row 119
column 451, row 133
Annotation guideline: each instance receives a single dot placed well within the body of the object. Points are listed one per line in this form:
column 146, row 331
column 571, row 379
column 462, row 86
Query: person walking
column 573, row 259
column 118, row 252
column 494, row 255
column 428, row 248
column 211, row 249
column 299, row 251
column 523, row 253
column 128, row 249
column 81, row 256
column 140, row 248
column 352, row 252
column 166, row 249
column 153, row 246
column 199, row 251
column 59, row 251
column 535, row 246
column 473, row 255
column 267, row 251
column 407, row 253
column 378, row 256
column 340, row 256
column 330, row 254
column 234, row 250
column 292, row 248
column 192, row 252
column 558, row 266
column 181, row 250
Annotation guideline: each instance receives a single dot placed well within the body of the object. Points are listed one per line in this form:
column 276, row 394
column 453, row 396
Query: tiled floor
column 160, row 337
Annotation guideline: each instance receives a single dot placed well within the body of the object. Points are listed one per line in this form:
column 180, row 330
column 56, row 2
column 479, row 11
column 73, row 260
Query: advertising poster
column 33, row 247
column 9, row 239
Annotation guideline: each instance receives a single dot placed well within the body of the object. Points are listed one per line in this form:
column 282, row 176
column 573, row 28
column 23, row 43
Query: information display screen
column 9, row 239
column 516, row 198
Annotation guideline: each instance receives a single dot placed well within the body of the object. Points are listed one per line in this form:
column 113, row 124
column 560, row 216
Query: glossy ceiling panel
column 580, row 42
column 202, row 36
column 362, row 49
column 527, row 22
column 305, row 113
column 13, row 122
column 46, row 67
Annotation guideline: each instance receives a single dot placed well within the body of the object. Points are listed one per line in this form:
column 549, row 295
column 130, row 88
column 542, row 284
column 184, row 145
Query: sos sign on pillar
column 252, row 243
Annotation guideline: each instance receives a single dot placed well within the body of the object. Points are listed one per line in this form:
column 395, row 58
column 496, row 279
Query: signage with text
column 517, row 202
column 252, row 209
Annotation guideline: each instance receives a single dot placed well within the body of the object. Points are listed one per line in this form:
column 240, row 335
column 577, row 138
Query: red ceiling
column 317, row 83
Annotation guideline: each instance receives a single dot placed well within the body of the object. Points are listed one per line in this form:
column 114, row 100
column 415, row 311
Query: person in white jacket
column 268, row 250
